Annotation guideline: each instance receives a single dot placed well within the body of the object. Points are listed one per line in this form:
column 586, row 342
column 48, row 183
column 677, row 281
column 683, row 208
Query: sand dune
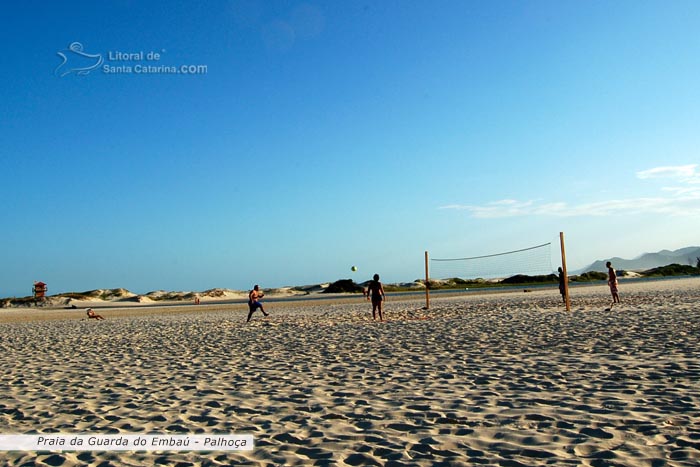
column 499, row 379
column 123, row 297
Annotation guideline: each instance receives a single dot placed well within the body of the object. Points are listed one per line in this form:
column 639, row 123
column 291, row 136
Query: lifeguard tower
column 39, row 290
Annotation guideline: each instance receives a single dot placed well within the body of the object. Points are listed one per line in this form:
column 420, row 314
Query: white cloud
column 687, row 191
column 680, row 201
column 682, row 172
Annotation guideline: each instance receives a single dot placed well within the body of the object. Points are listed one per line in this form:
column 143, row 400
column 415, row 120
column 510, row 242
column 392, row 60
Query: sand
column 497, row 379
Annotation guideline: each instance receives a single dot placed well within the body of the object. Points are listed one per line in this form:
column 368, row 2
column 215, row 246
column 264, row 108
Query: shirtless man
column 375, row 291
column 92, row 315
column 612, row 283
column 254, row 302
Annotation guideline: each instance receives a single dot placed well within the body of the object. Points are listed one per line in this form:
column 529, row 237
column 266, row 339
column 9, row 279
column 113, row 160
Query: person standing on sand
column 375, row 290
column 612, row 283
column 562, row 285
column 254, row 302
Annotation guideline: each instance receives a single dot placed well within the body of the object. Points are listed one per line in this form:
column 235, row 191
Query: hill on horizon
column 683, row 256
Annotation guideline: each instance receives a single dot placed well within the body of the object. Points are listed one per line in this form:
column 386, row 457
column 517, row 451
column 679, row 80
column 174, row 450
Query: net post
column 563, row 267
column 427, row 283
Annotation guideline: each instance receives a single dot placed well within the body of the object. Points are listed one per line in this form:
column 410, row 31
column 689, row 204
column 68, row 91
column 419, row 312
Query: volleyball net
column 530, row 261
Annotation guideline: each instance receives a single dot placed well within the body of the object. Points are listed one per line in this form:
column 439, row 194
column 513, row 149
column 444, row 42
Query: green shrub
column 590, row 276
column 671, row 270
column 524, row 279
column 344, row 286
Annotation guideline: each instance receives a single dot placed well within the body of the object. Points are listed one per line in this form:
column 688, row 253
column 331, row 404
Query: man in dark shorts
column 254, row 302
column 375, row 291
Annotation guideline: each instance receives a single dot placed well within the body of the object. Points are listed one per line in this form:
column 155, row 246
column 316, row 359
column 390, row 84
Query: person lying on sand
column 92, row 315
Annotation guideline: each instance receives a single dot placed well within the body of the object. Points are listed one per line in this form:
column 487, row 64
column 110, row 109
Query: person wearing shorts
column 612, row 283
column 254, row 302
column 375, row 292
column 562, row 284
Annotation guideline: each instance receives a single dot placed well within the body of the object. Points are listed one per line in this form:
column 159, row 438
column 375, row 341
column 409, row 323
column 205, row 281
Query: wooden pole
column 563, row 267
column 427, row 283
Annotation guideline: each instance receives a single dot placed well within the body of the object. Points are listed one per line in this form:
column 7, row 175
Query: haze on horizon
column 294, row 140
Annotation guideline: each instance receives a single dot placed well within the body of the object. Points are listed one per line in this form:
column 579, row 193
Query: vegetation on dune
column 14, row 301
column 214, row 293
column 349, row 286
column 344, row 286
column 76, row 296
column 520, row 279
column 99, row 294
column 673, row 270
column 406, row 287
column 459, row 283
column 170, row 296
column 589, row 277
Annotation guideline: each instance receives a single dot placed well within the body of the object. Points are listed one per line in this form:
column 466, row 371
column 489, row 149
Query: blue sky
column 329, row 134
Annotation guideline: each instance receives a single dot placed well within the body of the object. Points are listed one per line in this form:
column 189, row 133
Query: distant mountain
column 684, row 256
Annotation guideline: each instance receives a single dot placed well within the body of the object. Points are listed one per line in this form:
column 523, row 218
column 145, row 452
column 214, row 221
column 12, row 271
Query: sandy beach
column 508, row 379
